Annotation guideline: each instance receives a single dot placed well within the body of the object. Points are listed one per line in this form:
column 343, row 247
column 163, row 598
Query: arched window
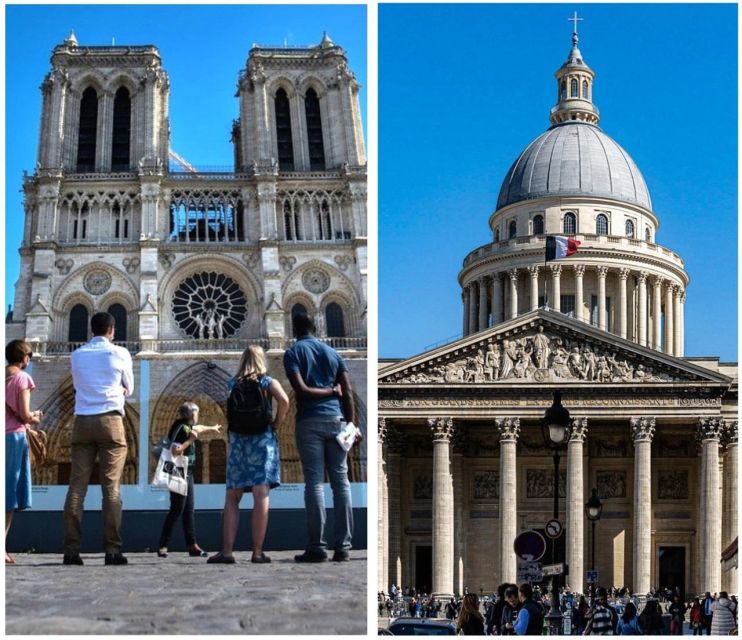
column 87, row 131
column 570, row 223
column 538, row 225
column 119, row 316
column 283, row 131
column 497, row 235
column 647, row 235
column 573, row 89
column 512, row 229
column 563, row 91
column 585, row 90
column 601, row 225
column 314, row 131
column 629, row 229
column 121, row 130
column 78, row 331
column 334, row 321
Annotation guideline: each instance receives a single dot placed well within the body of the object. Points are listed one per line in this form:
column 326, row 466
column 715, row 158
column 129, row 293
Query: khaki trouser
column 104, row 436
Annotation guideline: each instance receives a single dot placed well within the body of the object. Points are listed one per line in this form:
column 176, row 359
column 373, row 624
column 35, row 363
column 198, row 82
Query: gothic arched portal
column 59, row 416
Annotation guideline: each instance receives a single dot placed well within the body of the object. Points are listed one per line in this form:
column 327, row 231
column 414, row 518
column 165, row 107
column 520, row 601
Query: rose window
column 209, row 305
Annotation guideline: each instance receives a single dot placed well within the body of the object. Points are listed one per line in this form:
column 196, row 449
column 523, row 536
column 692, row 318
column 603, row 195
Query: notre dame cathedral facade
column 194, row 265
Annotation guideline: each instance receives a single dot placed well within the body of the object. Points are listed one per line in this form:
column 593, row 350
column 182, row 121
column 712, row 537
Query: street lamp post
column 555, row 429
column 593, row 510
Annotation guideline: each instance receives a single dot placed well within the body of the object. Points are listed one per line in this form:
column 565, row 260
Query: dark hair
column 723, row 594
column 526, row 590
column 629, row 612
column 101, row 323
column 501, row 589
column 16, row 350
column 303, row 323
column 600, row 592
column 511, row 590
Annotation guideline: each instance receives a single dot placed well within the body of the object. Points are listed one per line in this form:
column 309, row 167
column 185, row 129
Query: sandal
column 219, row 558
column 261, row 559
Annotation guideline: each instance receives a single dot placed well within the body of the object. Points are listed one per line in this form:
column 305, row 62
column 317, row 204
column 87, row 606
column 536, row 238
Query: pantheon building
column 464, row 467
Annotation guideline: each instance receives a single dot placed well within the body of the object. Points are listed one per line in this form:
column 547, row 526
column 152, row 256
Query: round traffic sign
column 554, row 528
column 529, row 545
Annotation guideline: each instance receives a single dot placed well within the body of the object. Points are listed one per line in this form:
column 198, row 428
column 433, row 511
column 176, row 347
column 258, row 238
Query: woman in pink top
column 18, row 416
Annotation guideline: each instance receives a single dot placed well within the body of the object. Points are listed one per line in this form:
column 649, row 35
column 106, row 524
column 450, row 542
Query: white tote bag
column 171, row 472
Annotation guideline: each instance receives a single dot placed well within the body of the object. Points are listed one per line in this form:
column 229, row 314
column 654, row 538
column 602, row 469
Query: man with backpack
column 319, row 377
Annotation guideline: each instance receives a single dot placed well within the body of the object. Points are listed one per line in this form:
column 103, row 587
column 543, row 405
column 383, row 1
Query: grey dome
column 574, row 159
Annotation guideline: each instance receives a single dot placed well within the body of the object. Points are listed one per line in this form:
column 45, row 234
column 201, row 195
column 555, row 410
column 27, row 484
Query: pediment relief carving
column 538, row 354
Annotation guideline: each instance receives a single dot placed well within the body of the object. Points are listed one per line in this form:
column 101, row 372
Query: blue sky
column 202, row 49
column 464, row 88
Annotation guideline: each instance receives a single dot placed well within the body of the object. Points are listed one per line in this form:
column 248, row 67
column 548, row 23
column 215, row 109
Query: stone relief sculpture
column 539, row 357
column 487, row 485
column 540, row 483
column 611, row 484
column 423, row 487
column 672, row 485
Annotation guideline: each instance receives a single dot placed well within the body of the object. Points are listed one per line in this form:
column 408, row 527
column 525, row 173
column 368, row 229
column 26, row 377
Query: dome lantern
column 574, row 87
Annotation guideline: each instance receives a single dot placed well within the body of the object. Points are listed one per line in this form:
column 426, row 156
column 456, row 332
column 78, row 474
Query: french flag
column 558, row 247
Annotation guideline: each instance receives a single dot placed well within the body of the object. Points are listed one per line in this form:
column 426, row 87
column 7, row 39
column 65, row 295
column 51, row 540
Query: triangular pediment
column 545, row 347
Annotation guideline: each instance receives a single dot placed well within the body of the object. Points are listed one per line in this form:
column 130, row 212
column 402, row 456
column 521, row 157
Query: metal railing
column 225, row 345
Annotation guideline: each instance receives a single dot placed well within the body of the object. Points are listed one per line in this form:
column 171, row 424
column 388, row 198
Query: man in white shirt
column 102, row 375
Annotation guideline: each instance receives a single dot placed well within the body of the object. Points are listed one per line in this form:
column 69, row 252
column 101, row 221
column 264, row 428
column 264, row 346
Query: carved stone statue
column 492, row 362
column 211, row 323
column 541, row 349
column 200, row 323
column 220, row 325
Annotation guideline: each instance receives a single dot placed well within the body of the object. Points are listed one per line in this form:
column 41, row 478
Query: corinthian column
column 513, row 273
column 497, row 307
column 465, row 300
column 459, row 477
column 669, row 324
column 556, row 286
column 472, row 309
column 731, row 479
column 657, row 313
column 443, row 527
column 642, row 432
column 579, row 294
column 575, row 499
column 677, row 339
column 602, row 272
column 508, row 429
column 394, row 443
column 623, row 275
column 482, row 303
column 710, row 431
column 533, row 270
column 642, row 279
column 382, row 528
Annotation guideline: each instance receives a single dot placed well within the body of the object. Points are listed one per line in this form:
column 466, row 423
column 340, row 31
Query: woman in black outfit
column 470, row 622
column 183, row 434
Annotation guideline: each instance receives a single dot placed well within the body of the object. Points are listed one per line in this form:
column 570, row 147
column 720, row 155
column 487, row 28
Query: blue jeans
column 318, row 450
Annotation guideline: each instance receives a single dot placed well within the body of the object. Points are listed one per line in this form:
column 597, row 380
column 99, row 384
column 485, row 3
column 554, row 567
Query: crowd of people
column 103, row 379
column 522, row 610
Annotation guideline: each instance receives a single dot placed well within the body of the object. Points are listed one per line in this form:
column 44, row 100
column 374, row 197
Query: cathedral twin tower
column 117, row 221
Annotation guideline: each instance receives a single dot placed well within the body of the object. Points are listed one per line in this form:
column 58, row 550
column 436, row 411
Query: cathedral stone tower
column 193, row 264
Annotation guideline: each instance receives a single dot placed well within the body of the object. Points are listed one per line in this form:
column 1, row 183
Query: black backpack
column 249, row 408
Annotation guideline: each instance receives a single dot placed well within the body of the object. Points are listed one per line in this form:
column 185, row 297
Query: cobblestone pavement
column 179, row 595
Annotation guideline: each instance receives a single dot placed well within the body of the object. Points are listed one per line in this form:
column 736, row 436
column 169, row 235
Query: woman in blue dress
column 253, row 464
